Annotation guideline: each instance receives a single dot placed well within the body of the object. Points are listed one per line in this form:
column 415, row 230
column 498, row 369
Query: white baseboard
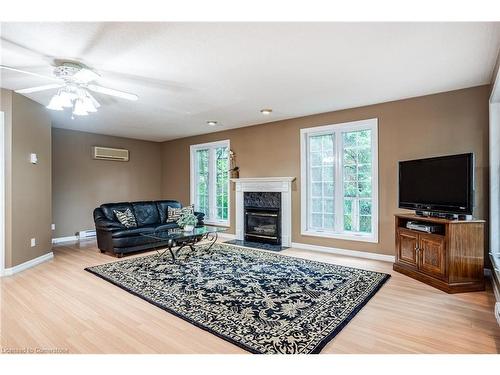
column 226, row 236
column 65, row 239
column 28, row 264
column 350, row 253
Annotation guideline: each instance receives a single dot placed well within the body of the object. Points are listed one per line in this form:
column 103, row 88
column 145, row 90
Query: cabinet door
column 407, row 245
column 432, row 255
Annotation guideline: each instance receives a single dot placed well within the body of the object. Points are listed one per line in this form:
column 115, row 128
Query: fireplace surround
column 269, row 203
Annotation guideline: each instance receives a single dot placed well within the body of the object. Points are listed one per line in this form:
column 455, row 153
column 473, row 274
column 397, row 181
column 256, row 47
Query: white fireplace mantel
column 266, row 184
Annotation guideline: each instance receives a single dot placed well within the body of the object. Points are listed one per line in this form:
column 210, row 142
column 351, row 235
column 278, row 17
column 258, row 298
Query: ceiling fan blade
column 150, row 82
column 85, row 75
column 113, row 92
column 30, row 73
column 39, row 88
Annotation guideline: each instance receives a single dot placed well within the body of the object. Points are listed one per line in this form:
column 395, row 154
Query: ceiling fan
column 74, row 82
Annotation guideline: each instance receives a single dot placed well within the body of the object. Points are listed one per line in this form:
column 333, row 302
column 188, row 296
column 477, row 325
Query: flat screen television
column 441, row 184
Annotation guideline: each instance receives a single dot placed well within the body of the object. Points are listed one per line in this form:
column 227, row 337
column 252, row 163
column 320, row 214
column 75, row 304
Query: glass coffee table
column 169, row 239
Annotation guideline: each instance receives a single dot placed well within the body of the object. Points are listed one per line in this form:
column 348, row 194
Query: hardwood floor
column 58, row 305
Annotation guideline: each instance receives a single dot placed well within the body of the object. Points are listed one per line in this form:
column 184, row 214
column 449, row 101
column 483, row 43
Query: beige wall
column 6, row 107
column 81, row 183
column 445, row 123
column 28, row 186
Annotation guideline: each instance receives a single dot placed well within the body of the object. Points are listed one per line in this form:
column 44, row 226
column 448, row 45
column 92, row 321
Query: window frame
column 212, row 178
column 337, row 130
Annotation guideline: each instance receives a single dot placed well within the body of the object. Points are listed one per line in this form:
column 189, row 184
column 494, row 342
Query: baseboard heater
column 86, row 234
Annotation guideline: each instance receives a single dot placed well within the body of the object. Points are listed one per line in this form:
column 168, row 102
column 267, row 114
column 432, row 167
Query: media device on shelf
column 423, row 227
column 439, row 186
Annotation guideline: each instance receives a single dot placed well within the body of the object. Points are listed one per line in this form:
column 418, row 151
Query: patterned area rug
column 263, row 302
column 256, row 245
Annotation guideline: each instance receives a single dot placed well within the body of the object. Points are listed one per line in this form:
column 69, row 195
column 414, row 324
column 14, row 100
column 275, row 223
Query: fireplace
column 262, row 221
column 266, row 195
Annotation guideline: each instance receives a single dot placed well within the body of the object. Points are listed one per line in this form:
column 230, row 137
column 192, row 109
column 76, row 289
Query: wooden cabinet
column 432, row 254
column 421, row 251
column 407, row 246
column 451, row 260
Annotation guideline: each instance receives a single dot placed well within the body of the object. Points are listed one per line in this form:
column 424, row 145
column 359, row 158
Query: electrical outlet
column 53, row 227
column 33, row 242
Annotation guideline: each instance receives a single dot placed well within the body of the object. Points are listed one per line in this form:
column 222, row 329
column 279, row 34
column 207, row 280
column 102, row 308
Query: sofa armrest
column 102, row 223
column 200, row 216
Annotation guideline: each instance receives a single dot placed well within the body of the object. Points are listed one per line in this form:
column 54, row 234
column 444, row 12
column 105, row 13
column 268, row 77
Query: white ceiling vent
column 106, row 153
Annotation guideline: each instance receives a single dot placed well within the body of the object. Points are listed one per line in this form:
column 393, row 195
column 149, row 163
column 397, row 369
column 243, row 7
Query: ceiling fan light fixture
column 55, row 104
column 88, row 105
column 79, row 108
column 65, row 99
column 74, row 83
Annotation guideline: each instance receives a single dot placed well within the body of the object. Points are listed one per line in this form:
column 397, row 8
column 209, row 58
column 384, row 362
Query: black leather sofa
column 114, row 237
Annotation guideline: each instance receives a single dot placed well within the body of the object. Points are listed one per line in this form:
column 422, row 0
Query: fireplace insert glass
column 262, row 225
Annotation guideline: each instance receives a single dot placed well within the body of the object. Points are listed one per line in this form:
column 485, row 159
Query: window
column 210, row 181
column 339, row 181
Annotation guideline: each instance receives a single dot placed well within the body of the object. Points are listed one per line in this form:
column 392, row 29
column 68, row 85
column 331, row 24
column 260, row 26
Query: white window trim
column 212, row 197
column 371, row 124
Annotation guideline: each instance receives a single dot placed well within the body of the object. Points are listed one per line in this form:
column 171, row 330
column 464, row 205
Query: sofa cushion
column 163, row 208
column 133, row 232
column 134, row 241
column 108, row 209
column 146, row 213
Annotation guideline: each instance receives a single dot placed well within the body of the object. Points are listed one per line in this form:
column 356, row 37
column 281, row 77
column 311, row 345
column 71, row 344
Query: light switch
column 33, row 242
column 33, row 158
column 53, row 227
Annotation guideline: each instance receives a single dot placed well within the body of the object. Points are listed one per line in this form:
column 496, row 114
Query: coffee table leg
column 214, row 241
column 170, row 245
column 161, row 251
column 189, row 244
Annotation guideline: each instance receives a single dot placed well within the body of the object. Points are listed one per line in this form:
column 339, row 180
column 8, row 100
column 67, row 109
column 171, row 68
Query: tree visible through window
column 202, row 186
column 357, row 181
column 210, row 180
column 321, row 181
column 222, row 194
column 339, row 162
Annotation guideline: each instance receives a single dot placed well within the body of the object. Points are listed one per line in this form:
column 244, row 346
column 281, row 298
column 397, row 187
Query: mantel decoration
column 234, row 171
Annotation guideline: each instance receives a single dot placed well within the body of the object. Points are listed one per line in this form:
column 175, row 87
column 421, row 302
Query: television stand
column 451, row 258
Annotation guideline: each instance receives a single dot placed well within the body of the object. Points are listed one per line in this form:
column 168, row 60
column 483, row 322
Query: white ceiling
column 188, row 73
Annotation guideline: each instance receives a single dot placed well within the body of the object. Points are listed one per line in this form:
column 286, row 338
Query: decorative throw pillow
column 175, row 214
column 126, row 218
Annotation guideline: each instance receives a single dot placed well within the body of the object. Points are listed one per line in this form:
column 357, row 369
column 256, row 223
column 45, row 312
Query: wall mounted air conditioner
column 107, row 153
